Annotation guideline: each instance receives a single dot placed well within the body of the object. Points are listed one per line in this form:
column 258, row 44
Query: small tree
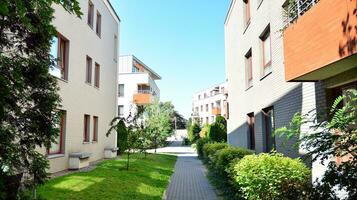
column 28, row 93
column 335, row 137
column 129, row 129
column 158, row 121
column 218, row 130
column 194, row 132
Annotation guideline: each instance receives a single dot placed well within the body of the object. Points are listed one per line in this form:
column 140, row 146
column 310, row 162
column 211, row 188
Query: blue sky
column 182, row 40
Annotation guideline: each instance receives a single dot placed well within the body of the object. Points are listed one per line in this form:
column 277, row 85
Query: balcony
column 143, row 97
column 321, row 40
column 216, row 111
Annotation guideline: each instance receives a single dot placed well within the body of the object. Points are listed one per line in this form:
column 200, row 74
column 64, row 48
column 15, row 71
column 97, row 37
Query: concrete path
column 189, row 181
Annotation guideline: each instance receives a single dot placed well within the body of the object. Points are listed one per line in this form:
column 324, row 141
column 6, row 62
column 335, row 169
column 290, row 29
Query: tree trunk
column 127, row 162
column 12, row 185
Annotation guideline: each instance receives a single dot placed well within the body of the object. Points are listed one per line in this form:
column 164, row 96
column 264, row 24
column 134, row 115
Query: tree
column 158, row 122
column 218, row 130
column 336, row 137
column 28, row 93
column 130, row 130
column 179, row 122
column 194, row 132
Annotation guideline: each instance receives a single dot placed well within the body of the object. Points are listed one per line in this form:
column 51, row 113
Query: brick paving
column 189, row 182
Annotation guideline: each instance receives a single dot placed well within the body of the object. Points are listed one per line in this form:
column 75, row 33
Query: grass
column 147, row 179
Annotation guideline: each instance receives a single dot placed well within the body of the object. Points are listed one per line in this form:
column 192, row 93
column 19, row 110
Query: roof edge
column 229, row 11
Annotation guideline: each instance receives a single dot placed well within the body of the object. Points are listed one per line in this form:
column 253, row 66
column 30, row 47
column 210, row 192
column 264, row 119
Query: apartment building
column 330, row 55
column 87, row 52
column 136, row 86
column 210, row 103
column 260, row 99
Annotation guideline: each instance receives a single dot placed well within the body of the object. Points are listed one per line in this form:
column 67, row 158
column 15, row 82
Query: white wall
column 78, row 97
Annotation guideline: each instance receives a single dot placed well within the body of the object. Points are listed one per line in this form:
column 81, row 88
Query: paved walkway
column 189, row 181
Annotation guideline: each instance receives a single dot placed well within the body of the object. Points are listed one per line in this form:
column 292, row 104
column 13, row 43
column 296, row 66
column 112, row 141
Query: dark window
column 268, row 128
column 251, row 131
column 98, row 28
column 121, row 90
column 89, row 70
column 90, row 14
column 266, row 50
column 86, row 128
column 249, row 69
column 95, row 128
column 97, row 75
column 120, row 110
column 57, row 147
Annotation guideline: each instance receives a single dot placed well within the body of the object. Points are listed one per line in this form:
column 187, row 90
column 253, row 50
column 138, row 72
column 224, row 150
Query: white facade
column 264, row 102
column 209, row 103
column 136, row 85
column 94, row 101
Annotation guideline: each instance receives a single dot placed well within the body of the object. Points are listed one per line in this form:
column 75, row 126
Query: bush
column 211, row 148
column 122, row 137
column 222, row 159
column 218, row 130
column 193, row 133
column 204, row 131
column 199, row 146
column 267, row 176
column 185, row 142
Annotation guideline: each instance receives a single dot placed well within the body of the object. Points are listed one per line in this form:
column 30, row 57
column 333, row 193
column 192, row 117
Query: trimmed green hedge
column 199, row 146
column 222, row 159
column 211, row 148
column 271, row 176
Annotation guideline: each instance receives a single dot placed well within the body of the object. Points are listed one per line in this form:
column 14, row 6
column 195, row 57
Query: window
column 199, row 97
column 89, row 70
column 86, row 128
column 90, row 14
column 266, row 51
column 206, row 107
column 115, row 48
column 58, row 146
column 97, row 75
column 201, row 108
column 95, row 128
column 268, row 129
column 121, row 90
column 207, row 122
column 251, row 132
column 212, row 119
column 205, row 95
column 98, row 28
column 249, row 69
column 135, row 69
column 59, row 51
column 120, row 110
column 212, row 106
column 246, row 12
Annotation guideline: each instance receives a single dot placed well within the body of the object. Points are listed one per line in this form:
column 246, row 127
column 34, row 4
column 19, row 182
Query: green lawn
column 146, row 179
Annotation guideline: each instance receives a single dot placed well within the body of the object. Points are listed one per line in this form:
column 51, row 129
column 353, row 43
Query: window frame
column 120, row 107
column 95, row 128
column 121, row 94
column 246, row 13
column 264, row 37
column 86, row 129
column 249, row 69
column 98, row 28
column 97, row 75
column 90, row 14
column 251, row 130
column 62, row 57
column 269, row 138
column 62, row 128
column 89, row 65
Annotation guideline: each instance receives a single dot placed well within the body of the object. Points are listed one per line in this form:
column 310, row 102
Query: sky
column 181, row 40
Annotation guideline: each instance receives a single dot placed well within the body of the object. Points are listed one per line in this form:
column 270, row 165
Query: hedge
column 211, row 148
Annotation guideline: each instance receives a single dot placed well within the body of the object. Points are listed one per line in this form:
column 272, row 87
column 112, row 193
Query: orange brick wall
column 323, row 35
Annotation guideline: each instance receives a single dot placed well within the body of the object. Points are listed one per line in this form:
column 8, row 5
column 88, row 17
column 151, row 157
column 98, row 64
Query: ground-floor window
column 251, row 133
column 268, row 128
column 57, row 147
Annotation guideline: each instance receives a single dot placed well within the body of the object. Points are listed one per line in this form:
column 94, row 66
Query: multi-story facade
column 87, row 53
column 260, row 99
column 136, row 85
column 210, row 103
column 329, row 56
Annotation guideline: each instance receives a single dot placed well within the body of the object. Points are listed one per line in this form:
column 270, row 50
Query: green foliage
column 28, row 93
column 204, row 131
column 122, row 136
column 222, row 158
column 210, row 149
column 158, row 122
column 218, row 130
column 147, row 179
column 335, row 137
column 193, row 133
column 185, row 142
column 199, row 146
column 178, row 121
column 267, row 176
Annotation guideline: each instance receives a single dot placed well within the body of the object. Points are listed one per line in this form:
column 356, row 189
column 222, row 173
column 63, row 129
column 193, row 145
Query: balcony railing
column 295, row 8
column 144, row 92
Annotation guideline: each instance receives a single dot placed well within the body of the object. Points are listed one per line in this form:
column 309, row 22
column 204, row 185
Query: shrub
column 199, row 146
column 204, row 131
column 222, row 159
column 267, row 176
column 193, row 133
column 185, row 142
column 122, row 137
column 218, row 130
column 211, row 148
